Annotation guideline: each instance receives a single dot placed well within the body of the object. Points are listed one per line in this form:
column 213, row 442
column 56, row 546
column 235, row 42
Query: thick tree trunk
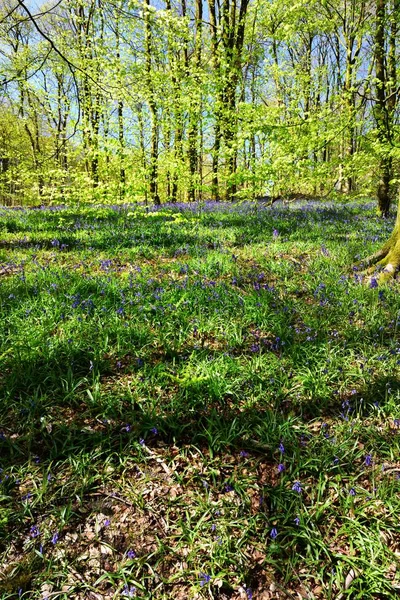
column 385, row 264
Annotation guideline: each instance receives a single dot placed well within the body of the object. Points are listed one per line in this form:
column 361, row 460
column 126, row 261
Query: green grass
column 157, row 367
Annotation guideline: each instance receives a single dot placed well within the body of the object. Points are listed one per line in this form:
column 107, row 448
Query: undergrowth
column 197, row 402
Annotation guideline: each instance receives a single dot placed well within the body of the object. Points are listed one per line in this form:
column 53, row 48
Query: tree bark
column 194, row 116
column 386, row 260
column 381, row 112
column 217, row 105
column 153, row 169
column 121, row 135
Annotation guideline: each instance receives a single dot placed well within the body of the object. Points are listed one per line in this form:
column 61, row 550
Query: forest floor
column 197, row 402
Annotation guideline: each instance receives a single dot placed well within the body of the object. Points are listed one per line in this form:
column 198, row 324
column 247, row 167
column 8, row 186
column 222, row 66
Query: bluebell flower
column 204, row 579
column 274, row 533
column 296, row 487
column 297, row 521
column 54, row 539
column 129, row 591
column 368, row 460
column 34, row 531
column 131, row 554
column 281, row 448
column 281, row 468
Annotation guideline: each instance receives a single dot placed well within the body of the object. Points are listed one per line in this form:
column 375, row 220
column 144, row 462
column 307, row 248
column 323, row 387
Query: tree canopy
column 167, row 101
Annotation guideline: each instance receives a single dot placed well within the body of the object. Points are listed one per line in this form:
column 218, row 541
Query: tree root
column 372, row 260
column 382, row 266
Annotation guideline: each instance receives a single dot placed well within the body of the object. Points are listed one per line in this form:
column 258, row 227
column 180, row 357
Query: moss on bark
column 386, row 260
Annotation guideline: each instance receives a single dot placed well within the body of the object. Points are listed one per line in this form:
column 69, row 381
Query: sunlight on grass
column 197, row 402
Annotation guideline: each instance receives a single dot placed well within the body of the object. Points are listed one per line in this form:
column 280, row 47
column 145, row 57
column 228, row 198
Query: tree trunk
column 153, row 170
column 195, row 103
column 381, row 113
column 218, row 103
column 387, row 259
column 175, row 115
column 121, row 136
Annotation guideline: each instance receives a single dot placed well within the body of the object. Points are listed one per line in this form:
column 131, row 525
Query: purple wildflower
column 131, row 554
column 274, row 533
column 34, row 531
column 204, row 579
column 373, row 283
column 281, row 448
column 54, row 539
column 296, row 487
column 281, row 468
column 368, row 460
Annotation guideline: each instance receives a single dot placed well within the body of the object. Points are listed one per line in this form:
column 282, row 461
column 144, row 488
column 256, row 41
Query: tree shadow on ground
column 308, row 222
column 52, row 418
